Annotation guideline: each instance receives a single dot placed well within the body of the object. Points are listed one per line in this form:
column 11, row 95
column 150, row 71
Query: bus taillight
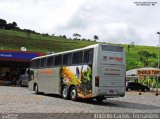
column 97, row 81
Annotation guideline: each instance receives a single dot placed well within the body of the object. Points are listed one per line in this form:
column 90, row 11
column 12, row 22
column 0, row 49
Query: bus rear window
column 111, row 48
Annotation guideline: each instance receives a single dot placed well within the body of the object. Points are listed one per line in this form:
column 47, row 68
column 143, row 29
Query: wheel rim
column 65, row 92
column 73, row 94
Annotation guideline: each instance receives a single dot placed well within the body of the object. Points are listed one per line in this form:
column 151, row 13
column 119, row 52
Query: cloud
column 113, row 21
column 116, row 22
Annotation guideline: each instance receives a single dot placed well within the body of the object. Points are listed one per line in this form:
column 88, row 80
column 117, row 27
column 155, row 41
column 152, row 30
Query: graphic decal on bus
column 80, row 76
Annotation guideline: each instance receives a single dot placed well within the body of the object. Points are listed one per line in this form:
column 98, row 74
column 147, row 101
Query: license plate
column 112, row 92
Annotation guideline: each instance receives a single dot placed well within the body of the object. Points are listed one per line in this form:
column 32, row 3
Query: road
column 21, row 100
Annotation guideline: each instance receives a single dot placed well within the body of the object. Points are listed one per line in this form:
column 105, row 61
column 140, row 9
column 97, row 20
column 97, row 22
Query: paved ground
column 20, row 100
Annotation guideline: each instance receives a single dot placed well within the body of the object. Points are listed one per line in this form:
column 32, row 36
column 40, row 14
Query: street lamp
column 158, row 63
column 158, row 48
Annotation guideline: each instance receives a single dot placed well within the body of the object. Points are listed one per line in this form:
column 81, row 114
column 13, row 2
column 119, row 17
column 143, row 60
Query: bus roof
column 87, row 47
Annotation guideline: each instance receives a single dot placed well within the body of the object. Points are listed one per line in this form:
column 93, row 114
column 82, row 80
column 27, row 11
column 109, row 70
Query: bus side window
column 77, row 57
column 33, row 64
column 50, row 61
column 88, row 56
column 67, row 59
column 58, row 60
column 43, row 62
column 37, row 63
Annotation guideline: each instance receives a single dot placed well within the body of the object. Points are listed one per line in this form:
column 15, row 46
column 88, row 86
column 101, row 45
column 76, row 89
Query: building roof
column 133, row 72
column 10, row 55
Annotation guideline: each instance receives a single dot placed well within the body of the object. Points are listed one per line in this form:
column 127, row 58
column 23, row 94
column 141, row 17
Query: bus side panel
column 79, row 76
column 48, row 80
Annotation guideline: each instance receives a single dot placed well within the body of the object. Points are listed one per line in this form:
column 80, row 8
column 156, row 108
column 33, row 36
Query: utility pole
column 158, row 48
column 158, row 63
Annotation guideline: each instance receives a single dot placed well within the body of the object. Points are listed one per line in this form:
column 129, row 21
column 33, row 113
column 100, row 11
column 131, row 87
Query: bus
column 96, row 71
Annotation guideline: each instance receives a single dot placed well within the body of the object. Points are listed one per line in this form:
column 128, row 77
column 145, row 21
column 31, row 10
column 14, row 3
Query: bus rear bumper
column 109, row 92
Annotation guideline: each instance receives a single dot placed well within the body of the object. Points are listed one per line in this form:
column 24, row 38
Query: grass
column 14, row 40
column 33, row 42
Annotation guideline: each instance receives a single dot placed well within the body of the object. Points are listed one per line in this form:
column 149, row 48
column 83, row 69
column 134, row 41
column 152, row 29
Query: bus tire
column 36, row 89
column 100, row 99
column 65, row 92
column 73, row 93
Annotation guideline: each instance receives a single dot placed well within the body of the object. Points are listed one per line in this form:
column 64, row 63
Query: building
column 148, row 76
column 14, row 63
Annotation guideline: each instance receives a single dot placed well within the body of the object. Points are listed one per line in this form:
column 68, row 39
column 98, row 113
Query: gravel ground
column 21, row 100
column 18, row 100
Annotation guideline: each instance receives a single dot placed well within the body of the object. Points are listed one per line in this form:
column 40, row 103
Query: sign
column 45, row 72
column 112, row 58
column 18, row 55
column 148, row 72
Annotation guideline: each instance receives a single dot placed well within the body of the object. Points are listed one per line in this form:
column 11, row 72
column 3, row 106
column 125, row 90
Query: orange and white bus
column 96, row 71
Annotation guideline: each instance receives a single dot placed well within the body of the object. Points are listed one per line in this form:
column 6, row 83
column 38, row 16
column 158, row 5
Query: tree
column 64, row 36
column 9, row 26
column 95, row 37
column 14, row 25
column 3, row 23
column 144, row 56
column 132, row 44
column 76, row 35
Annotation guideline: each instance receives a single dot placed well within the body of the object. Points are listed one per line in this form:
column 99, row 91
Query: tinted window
column 88, row 56
column 130, row 84
column 77, row 57
column 112, row 48
column 33, row 64
column 58, row 60
column 50, row 61
column 37, row 63
column 67, row 59
column 43, row 62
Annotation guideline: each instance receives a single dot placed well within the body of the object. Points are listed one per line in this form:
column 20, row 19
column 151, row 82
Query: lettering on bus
column 111, row 71
column 148, row 72
column 111, row 58
column 46, row 72
column 119, row 59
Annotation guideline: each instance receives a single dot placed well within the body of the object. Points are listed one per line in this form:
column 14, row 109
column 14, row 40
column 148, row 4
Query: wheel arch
column 70, row 87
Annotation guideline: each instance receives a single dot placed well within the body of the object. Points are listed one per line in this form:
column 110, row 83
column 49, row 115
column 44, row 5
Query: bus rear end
column 110, row 63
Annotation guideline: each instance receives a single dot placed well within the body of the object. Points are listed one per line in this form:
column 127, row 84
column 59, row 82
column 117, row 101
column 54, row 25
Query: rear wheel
column 65, row 92
column 73, row 93
column 100, row 99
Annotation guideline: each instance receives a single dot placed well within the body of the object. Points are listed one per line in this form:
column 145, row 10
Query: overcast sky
column 115, row 21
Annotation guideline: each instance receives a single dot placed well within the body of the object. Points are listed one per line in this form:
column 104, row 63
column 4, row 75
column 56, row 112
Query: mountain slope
column 14, row 40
